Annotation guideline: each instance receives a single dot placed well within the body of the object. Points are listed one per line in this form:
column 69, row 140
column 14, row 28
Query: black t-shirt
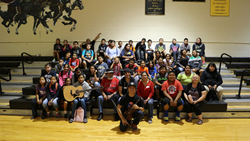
column 91, row 78
column 77, row 51
column 184, row 61
column 57, row 47
column 102, row 49
column 124, row 84
column 126, row 101
column 92, row 44
column 189, row 89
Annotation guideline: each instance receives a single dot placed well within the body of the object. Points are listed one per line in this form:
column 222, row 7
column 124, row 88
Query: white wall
column 125, row 19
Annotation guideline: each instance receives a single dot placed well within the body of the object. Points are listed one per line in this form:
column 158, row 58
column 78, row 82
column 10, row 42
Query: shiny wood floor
column 22, row 128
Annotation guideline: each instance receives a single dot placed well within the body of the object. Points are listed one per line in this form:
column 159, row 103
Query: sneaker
column 71, row 120
column 100, row 117
column 199, row 122
column 65, row 116
column 177, row 118
column 116, row 117
column 204, row 65
column 134, row 128
column 43, row 117
column 33, row 117
column 150, row 121
column 57, row 115
column 85, row 120
column 54, row 60
column 165, row 119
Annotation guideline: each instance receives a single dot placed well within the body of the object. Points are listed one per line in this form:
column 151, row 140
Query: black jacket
column 211, row 78
column 140, row 46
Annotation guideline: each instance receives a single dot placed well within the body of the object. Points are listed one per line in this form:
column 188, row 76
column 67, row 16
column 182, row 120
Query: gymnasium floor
column 22, row 128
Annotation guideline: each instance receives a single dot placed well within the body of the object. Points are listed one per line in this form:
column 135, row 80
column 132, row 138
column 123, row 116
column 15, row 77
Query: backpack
column 50, row 86
column 79, row 114
column 62, row 73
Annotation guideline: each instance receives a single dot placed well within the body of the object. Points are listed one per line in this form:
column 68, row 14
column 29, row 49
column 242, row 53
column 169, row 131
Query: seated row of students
column 113, row 88
column 141, row 51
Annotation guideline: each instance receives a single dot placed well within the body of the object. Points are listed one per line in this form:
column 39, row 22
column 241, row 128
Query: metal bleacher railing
column 230, row 60
column 9, row 74
column 23, row 60
column 241, row 80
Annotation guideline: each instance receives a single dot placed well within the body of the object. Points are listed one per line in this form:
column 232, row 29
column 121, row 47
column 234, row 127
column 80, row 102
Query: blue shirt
column 65, row 61
column 129, row 53
column 152, row 71
column 88, row 54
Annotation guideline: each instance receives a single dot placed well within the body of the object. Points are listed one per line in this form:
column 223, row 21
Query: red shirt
column 134, row 68
column 172, row 88
column 110, row 86
column 73, row 63
column 145, row 91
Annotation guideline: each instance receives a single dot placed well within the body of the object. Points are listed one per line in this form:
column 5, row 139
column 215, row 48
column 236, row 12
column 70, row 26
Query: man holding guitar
column 81, row 100
column 130, row 105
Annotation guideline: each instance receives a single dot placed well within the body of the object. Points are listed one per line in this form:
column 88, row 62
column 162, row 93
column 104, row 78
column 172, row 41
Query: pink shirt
column 117, row 68
column 64, row 76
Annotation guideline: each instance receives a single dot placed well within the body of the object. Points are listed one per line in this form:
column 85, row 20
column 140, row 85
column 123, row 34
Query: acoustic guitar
column 70, row 93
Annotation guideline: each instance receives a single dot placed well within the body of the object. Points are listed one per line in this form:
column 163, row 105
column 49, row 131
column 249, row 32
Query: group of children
column 155, row 61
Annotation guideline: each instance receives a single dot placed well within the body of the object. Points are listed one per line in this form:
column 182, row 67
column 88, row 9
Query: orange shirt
column 140, row 70
column 132, row 48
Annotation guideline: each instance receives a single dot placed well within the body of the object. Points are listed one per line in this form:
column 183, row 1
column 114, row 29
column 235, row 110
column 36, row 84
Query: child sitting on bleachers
column 78, row 51
column 40, row 96
column 101, row 66
column 88, row 56
column 73, row 63
column 66, row 73
column 174, row 49
column 102, row 48
column 48, row 73
column 52, row 93
column 159, row 64
column 117, row 66
column 152, row 70
column 76, row 74
column 65, row 102
column 57, row 50
column 66, row 58
column 59, row 67
column 66, row 48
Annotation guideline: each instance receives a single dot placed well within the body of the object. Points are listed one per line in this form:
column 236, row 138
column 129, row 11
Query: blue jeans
column 184, row 86
column 140, row 54
column 137, row 115
column 54, row 103
column 150, row 105
column 109, row 62
column 175, row 54
column 35, row 106
column 83, row 105
column 100, row 100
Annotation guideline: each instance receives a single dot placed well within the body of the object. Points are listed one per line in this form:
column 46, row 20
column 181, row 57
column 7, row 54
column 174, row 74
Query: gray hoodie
column 85, row 86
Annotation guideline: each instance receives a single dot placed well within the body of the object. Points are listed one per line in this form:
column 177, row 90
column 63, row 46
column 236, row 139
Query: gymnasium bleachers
column 19, row 92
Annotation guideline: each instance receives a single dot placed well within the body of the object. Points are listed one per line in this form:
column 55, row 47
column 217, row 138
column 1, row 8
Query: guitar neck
column 90, row 89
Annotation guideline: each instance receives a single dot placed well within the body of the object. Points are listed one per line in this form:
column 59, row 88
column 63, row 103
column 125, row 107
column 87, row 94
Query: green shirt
column 185, row 79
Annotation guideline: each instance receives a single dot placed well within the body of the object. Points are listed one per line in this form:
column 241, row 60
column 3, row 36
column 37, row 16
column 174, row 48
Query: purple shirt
column 41, row 91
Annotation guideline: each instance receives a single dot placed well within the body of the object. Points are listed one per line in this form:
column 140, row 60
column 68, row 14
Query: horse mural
column 41, row 10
